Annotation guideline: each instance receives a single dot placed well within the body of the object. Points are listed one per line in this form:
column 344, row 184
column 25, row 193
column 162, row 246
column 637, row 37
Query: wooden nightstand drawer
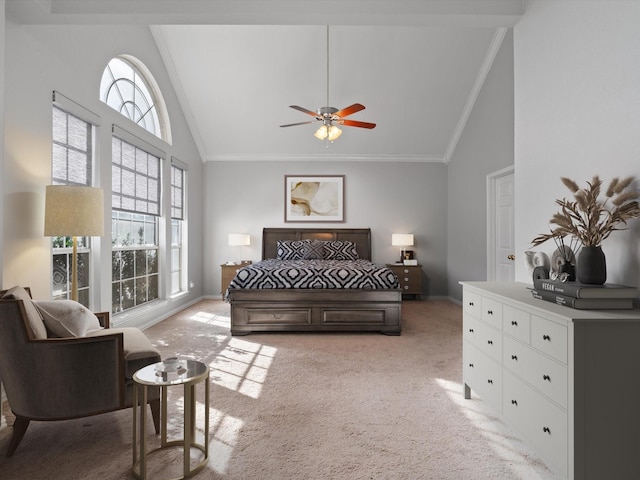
column 410, row 278
column 227, row 274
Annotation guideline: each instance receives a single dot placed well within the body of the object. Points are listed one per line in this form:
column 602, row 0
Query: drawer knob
column 406, row 279
column 514, row 402
column 490, row 312
column 471, row 330
column 546, row 430
column 276, row 316
column 490, row 342
column 546, row 377
column 471, row 365
column 546, row 337
column 490, row 381
column 471, row 304
column 514, row 323
column 514, row 357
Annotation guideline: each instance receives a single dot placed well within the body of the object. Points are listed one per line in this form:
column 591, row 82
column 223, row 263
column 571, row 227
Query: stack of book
column 586, row 297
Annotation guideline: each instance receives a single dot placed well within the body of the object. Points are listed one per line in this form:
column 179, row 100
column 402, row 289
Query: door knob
column 511, row 257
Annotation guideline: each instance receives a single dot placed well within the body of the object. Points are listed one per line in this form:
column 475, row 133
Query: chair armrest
column 103, row 318
column 69, row 377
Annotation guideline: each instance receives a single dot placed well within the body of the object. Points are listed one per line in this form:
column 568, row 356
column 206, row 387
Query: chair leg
column 19, row 428
column 155, row 413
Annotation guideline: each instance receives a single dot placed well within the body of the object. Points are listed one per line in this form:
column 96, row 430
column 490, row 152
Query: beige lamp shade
column 402, row 239
column 73, row 211
column 239, row 239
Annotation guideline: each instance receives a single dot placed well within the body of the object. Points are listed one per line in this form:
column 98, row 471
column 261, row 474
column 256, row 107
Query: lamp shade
column 73, row 211
column 239, row 239
column 402, row 239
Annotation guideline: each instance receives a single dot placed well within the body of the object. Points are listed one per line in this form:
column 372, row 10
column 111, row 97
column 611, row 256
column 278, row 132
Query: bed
column 332, row 309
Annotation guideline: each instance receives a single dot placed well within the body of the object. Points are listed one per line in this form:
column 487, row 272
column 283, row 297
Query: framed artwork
column 314, row 198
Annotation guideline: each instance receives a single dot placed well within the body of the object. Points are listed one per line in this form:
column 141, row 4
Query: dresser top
column 519, row 295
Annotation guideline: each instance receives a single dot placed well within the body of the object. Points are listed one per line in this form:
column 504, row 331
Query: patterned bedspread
column 355, row 274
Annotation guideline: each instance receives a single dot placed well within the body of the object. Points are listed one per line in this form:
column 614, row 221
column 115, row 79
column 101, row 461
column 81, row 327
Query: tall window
column 128, row 87
column 135, row 202
column 71, row 161
column 177, row 220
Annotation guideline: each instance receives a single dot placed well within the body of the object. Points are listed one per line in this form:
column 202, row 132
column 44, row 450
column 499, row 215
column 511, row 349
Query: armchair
column 63, row 378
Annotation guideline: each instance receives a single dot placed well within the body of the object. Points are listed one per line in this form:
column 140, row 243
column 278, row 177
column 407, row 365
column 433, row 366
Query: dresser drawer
column 483, row 375
column 544, row 374
column 516, row 323
column 492, row 312
column 549, row 337
column 472, row 303
column 487, row 339
column 540, row 421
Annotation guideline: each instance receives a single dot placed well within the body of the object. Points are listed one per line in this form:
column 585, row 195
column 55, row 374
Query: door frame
column 491, row 220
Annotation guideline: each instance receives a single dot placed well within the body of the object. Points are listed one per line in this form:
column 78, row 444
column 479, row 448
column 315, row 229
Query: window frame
column 89, row 283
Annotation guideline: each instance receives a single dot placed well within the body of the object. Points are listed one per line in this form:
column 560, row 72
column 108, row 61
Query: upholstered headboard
column 360, row 236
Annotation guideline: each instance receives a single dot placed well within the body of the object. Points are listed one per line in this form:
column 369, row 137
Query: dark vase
column 592, row 266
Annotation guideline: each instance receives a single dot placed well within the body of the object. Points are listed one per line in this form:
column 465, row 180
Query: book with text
column 584, row 303
column 581, row 290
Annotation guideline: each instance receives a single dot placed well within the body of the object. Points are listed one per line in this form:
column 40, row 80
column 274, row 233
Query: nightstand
column 228, row 272
column 410, row 277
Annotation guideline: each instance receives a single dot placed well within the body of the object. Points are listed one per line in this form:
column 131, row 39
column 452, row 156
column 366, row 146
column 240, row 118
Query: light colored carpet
column 305, row 406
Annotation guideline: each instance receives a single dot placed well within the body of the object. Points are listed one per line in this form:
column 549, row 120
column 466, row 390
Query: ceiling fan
column 331, row 117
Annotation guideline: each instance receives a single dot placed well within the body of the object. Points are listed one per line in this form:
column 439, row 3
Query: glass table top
column 171, row 371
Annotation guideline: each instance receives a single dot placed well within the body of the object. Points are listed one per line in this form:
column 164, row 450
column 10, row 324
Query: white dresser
column 567, row 380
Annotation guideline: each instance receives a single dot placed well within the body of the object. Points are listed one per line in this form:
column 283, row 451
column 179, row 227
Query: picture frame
column 314, row 198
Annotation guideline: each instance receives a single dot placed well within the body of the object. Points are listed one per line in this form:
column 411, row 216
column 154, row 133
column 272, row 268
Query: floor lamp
column 73, row 211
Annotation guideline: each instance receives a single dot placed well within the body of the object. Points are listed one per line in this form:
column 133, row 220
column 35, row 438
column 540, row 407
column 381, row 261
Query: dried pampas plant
column 588, row 219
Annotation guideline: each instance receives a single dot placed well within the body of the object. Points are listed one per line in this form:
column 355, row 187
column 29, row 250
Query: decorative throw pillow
column 314, row 250
column 34, row 319
column 66, row 318
column 291, row 249
column 340, row 250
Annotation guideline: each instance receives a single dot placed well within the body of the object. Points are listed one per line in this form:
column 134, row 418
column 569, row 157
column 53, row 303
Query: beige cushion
column 138, row 350
column 66, row 318
column 34, row 319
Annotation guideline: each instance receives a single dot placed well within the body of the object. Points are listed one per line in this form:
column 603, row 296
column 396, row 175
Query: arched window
column 128, row 87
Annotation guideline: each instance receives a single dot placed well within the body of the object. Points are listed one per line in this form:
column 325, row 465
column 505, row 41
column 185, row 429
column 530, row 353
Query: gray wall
column 244, row 197
column 485, row 146
column 577, row 78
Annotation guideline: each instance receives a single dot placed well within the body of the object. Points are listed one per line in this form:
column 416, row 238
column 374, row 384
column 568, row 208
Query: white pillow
column 66, row 318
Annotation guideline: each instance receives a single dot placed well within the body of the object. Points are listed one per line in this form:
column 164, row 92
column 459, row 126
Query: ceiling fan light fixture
column 322, row 132
column 328, row 132
column 334, row 133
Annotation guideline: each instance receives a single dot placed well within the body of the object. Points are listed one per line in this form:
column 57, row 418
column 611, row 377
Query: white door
column 500, row 228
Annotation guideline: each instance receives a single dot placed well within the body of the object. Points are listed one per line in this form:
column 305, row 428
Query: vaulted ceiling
column 236, row 66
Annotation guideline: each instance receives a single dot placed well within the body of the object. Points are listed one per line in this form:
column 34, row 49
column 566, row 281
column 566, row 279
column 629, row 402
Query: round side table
column 187, row 373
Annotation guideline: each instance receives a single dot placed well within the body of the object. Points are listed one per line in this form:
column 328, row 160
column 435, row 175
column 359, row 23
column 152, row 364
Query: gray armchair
column 63, row 378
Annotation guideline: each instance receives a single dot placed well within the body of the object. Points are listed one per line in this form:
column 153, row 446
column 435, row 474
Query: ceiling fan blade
column 350, row 110
column 304, row 110
column 294, row 124
column 355, row 123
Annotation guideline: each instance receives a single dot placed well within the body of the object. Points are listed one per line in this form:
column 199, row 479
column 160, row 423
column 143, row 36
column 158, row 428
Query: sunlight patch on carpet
column 211, row 318
column 242, row 366
column 509, row 449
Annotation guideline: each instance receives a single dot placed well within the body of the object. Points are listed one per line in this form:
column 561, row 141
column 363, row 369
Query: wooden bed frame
column 315, row 310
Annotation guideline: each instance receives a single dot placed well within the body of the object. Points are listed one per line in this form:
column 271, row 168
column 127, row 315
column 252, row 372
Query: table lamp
column 239, row 240
column 402, row 240
column 73, row 211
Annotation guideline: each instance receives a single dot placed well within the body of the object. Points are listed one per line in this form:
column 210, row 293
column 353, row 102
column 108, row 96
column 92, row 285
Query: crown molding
column 325, row 157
